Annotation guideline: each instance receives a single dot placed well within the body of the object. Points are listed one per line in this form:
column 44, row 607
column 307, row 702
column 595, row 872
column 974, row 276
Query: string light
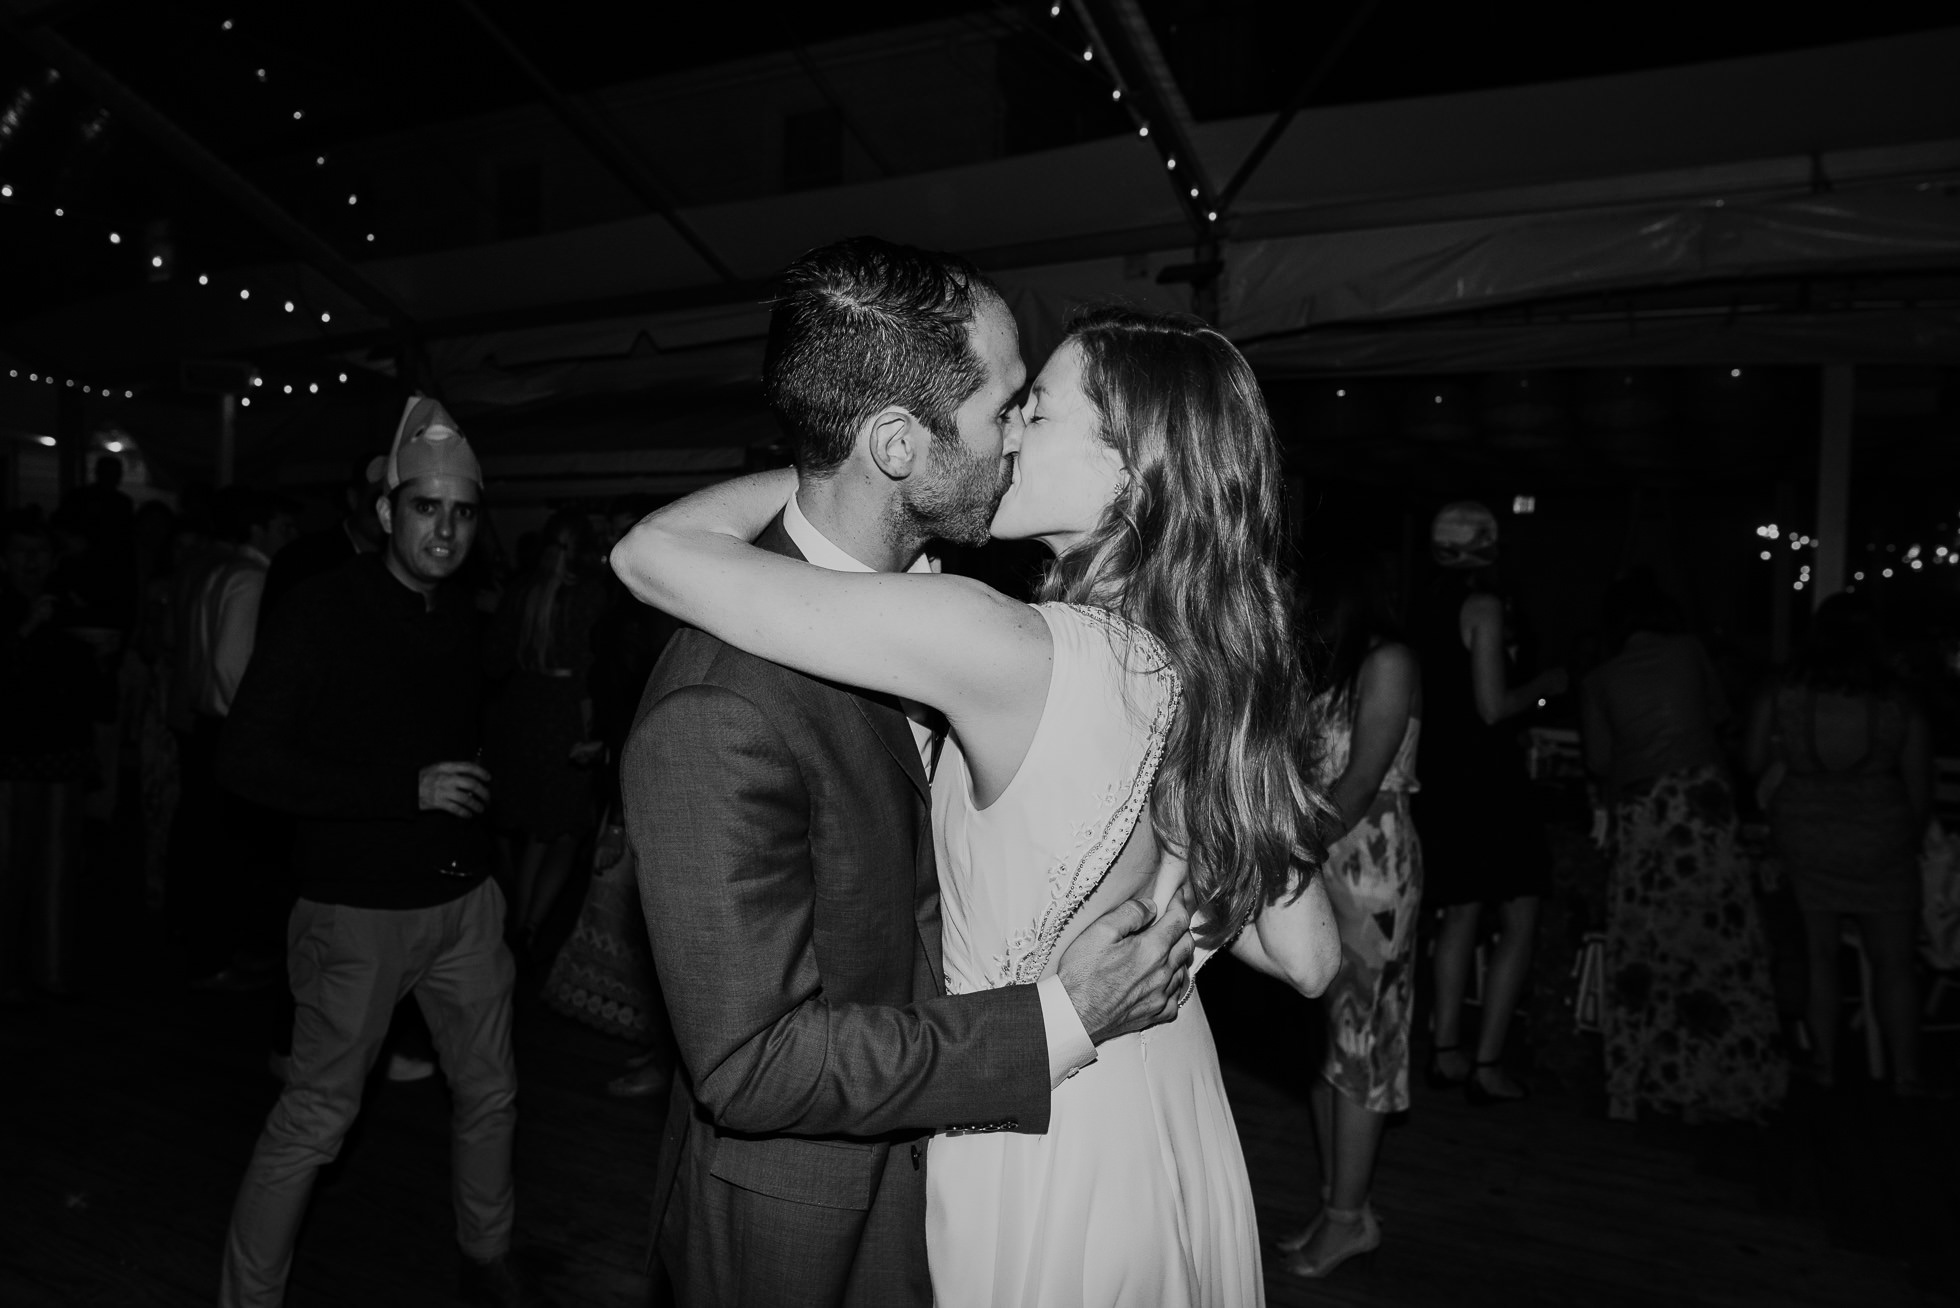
column 156, row 261
column 1116, row 94
column 115, row 238
column 1144, row 130
column 1088, row 54
column 203, row 279
column 343, row 377
column 1171, row 163
column 326, row 317
column 245, row 400
column 313, row 388
column 57, row 213
column 244, row 292
column 226, row 25
column 289, row 306
column 6, row 191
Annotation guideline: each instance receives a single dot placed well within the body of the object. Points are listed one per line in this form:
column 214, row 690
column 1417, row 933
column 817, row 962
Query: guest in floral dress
column 1691, row 1023
column 1368, row 717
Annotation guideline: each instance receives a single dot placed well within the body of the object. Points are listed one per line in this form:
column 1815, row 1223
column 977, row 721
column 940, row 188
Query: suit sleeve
column 718, row 815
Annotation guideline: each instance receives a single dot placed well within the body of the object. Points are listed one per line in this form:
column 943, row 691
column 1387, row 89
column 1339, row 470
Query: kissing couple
column 928, row 871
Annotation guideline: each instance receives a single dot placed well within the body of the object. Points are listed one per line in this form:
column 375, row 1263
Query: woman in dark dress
column 538, row 733
column 1848, row 818
column 1483, row 842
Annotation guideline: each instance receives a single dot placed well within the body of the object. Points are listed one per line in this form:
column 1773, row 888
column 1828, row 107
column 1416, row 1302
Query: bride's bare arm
column 1295, row 941
column 951, row 642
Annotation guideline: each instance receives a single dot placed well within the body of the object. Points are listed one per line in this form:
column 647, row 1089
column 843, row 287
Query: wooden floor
column 127, row 1116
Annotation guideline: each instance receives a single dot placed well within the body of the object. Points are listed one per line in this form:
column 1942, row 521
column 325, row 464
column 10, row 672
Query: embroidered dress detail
column 1074, row 876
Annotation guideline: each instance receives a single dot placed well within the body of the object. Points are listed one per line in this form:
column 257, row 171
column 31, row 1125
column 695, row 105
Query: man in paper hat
column 359, row 716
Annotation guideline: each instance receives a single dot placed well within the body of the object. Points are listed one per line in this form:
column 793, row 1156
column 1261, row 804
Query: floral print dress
column 1691, row 1024
column 1373, row 876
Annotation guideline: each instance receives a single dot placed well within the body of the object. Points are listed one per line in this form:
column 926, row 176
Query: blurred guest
column 226, row 890
column 604, row 974
column 361, row 718
column 105, row 570
column 538, row 734
column 358, row 533
column 1691, row 1024
column 50, row 689
column 1369, row 714
column 1483, row 841
column 1850, row 757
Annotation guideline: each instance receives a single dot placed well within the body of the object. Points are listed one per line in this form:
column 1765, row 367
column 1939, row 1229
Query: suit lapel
column 893, row 730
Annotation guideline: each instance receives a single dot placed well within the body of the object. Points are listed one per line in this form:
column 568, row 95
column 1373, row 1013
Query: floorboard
column 130, row 1113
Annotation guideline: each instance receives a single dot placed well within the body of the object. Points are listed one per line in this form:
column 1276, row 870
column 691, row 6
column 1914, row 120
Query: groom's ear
column 896, row 441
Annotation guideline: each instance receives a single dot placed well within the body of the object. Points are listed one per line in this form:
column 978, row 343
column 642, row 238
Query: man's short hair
column 865, row 324
column 238, row 509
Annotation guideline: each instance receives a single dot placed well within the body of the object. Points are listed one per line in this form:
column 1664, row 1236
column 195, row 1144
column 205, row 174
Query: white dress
column 1137, row 1194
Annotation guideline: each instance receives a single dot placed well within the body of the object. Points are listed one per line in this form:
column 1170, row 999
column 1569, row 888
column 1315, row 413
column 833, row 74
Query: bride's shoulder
column 1104, row 636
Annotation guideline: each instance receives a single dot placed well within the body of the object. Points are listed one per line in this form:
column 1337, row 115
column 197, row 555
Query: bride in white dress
column 1141, row 728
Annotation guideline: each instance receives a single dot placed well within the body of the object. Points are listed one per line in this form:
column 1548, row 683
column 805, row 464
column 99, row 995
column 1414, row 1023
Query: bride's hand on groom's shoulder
column 1128, row 969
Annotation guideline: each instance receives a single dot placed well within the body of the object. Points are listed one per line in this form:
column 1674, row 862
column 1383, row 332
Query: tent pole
column 1782, row 572
column 1838, row 396
column 227, row 437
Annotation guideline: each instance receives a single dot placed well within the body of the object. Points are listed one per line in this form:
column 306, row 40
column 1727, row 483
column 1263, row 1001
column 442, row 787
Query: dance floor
column 128, row 1115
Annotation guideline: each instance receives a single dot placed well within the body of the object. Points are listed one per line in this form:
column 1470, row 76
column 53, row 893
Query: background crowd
column 1756, row 846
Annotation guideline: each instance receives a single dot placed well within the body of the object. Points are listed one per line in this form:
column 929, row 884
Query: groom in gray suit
column 783, row 833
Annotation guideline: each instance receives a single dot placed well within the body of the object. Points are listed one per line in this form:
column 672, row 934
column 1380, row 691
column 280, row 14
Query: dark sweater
column 355, row 686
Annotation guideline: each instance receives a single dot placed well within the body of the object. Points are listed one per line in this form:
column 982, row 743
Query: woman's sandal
column 1436, row 1077
column 1356, row 1231
column 1481, row 1096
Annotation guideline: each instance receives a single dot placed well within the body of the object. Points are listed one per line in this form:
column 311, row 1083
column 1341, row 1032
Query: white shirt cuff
column 1069, row 1047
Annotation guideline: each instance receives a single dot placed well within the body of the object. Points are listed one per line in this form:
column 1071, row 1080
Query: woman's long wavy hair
column 1190, row 551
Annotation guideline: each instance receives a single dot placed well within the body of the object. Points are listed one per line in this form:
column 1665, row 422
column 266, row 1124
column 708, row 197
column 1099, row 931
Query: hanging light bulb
column 343, row 376
column 326, row 317
column 115, row 238
column 353, row 199
column 297, row 115
column 244, row 292
column 1171, row 163
column 313, row 388
column 6, row 190
column 289, row 306
column 370, row 237
column 1116, row 94
column 289, row 388
column 320, row 162
column 58, row 213
column 1144, row 130
column 245, row 400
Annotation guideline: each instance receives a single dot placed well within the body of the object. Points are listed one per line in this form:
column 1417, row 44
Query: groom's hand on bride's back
column 1129, row 968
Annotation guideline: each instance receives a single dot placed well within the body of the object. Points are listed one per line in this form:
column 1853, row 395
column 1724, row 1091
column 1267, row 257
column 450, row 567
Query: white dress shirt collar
column 826, row 553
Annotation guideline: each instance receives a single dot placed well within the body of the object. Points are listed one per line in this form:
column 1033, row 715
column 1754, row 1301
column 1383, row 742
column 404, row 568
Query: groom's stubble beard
column 957, row 499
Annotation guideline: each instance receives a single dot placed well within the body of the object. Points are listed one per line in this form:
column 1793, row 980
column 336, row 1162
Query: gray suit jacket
column 782, row 830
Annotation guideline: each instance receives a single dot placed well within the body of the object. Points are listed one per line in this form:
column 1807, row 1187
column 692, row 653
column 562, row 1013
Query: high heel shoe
column 1434, row 1074
column 1478, row 1095
column 1343, row 1234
